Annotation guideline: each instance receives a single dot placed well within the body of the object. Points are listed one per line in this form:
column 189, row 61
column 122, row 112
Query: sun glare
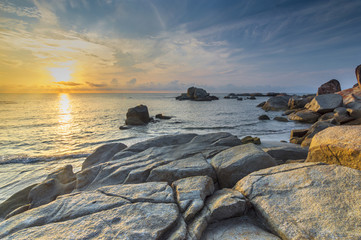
column 61, row 74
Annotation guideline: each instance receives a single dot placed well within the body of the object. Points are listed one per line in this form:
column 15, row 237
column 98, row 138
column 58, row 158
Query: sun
column 61, row 74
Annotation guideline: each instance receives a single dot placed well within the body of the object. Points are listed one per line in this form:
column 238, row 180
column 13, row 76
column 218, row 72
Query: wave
column 210, row 128
column 23, row 158
column 8, row 102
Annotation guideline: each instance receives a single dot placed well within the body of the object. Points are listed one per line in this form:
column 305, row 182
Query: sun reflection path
column 65, row 116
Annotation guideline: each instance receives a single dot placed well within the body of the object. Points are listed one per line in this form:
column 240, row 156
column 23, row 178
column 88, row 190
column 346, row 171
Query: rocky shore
column 212, row 186
column 192, row 186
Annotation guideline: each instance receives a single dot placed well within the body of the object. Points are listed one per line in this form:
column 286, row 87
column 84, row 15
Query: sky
column 169, row 45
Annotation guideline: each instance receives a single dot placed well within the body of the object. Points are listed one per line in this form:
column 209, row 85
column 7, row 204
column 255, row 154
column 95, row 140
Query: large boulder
column 331, row 86
column 307, row 200
column 235, row 163
column 138, row 115
column 337, row 145
column 305, row 115
column 325, row 103
column 277, row 103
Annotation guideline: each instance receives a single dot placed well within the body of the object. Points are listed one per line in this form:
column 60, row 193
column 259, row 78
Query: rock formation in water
column 196, row 94
column 138, row 115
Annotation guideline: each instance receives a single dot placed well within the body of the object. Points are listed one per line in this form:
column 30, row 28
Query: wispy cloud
column 68, row 83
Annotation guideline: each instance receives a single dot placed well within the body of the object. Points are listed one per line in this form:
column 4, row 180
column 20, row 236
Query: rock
column 337, row 145
column 325, row 103
column 298, row 102
column 183, row 96
column 235, row 163
column 252, row 98
column 288, row 112
column 305, row 115
column 358, row 75
column 138, row 115
column 112, row 212
column 280, row 119
column 263, row 117
column 124, row 128
column 16, row 201
column 331, row 86
column 298, row 135
column 240, row 99
column 196, row 94
column 354, row 109
column 281, row 152
column 350, row 95
column 354, row 122
column 298, row 132
column 327, row 116
column 342, row 116
column 314, row 129
column 307, row 200
column 231, row 96
column 161, row 116
column 103, row 154
column 261, row 104
column 60, row 182
column 250, row 139
column 166, row 158
column 237, row 228
column 196, row 165
column 191, row 193
column 222, row 204
column 226, row 203
column 276, row 103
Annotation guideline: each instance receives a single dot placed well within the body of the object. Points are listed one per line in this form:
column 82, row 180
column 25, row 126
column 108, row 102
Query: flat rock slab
column 337, row 145
column 307, row 200
column 93, row 214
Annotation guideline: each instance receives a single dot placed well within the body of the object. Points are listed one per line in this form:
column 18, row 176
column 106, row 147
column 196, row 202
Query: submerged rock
column 263, row 117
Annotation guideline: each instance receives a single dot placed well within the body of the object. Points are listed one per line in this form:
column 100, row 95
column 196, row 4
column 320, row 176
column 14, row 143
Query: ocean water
column 40, row 132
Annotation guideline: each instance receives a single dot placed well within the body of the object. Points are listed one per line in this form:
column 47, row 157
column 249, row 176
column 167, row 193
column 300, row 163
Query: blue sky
column 162, row 45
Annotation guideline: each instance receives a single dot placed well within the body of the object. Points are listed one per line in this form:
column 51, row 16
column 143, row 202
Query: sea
column 42, row 132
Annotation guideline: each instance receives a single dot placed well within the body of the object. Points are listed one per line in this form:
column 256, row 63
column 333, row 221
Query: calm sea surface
column 36, row 127
column 40, row 132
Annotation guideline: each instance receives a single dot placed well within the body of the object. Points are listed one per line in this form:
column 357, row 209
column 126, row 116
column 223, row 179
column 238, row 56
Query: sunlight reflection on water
column 65, row 114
